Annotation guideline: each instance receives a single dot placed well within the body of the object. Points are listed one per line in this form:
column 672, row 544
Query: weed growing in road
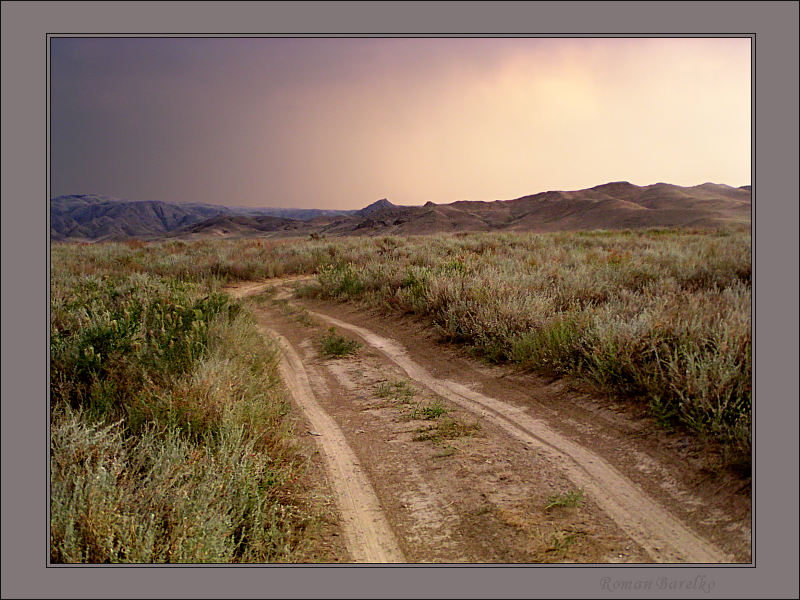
column 298, row 313
column 557, row 544
column 561, row 543
column 569, row 500
column 303, row 317
column 334, row 345
column 264, row 296
column 446, row 428
column 430, row 411
column 448, row 450
column 308, row 290
column 397, row 391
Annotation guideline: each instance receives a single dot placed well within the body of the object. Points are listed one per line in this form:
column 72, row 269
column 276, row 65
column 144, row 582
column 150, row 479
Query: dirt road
column 436, row 457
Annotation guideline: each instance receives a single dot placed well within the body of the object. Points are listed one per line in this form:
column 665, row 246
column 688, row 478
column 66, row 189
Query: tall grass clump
column 169, row 439
column 335, row 345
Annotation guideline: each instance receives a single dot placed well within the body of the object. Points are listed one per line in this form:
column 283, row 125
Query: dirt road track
column 368, row 536
column 371, row 537
column 663, row 537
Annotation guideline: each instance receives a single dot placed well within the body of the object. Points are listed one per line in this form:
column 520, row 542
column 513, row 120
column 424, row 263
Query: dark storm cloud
column 342, row 122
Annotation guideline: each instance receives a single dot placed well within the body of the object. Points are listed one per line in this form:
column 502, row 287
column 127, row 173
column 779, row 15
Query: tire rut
column 368, row 536
column 661, row 535
column 367, row 532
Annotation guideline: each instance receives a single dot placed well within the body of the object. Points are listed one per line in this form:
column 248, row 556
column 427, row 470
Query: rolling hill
column 615, row 205
column 92, row 217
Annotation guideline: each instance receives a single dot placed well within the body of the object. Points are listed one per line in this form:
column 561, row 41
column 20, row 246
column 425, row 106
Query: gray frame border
column 25, row 261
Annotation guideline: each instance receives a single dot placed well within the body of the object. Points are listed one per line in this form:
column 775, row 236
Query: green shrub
column 399, row 391
column 334, row 345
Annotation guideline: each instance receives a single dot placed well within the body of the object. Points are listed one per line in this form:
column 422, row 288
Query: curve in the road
column 664, row 538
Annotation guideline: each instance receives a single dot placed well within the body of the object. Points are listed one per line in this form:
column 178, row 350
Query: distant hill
column 93, row 217
column 240, row 225
column 381, row 206
column 300, row 214
column 615, row 205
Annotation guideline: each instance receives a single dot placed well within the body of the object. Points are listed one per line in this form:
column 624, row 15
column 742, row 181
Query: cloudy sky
column 340, row 123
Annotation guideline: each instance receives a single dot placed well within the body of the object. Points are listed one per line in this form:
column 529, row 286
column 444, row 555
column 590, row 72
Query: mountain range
column 616, row 205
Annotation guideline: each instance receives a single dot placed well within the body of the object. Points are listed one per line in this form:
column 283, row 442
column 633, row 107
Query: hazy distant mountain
column 95, row 217
column 301, row 214
column 615, row 205
column 240, row 225
column 92, row 217
column 381, row 206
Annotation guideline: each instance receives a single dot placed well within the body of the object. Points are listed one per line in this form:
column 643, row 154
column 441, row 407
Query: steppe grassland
column 661, row 317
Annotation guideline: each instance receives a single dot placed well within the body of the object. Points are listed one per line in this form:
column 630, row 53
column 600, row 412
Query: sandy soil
column 466, row 463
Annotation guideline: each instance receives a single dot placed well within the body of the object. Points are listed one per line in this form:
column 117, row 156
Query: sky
column 340, row 123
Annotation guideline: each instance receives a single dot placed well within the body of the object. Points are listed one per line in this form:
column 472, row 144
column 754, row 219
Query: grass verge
column 170, row 441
